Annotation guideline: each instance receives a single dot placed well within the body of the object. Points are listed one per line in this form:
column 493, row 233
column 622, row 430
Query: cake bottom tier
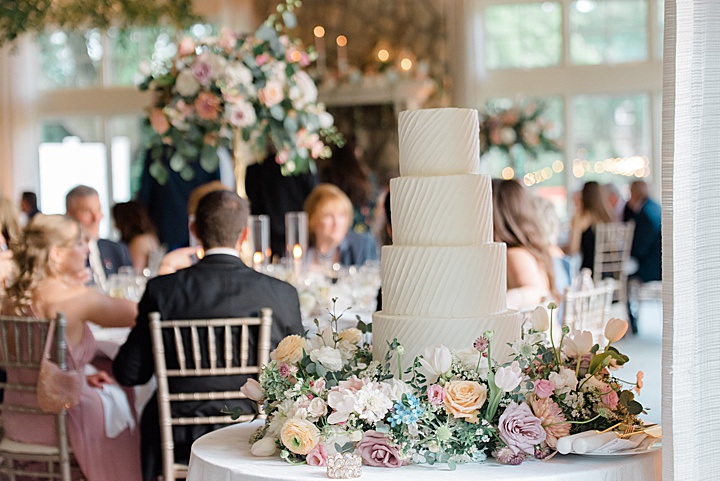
column 417, row 333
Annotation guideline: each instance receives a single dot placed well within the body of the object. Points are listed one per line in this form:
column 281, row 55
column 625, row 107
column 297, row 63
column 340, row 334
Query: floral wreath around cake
column 324, row 394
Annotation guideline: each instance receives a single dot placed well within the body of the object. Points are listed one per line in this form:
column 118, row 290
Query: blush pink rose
column 159, row 121
column 186, row 47
column 317, row 456
column 610, row 399
column 262, row 59
column 436, row 395
column 375, row 451
column 544, row 389
column 520, row 429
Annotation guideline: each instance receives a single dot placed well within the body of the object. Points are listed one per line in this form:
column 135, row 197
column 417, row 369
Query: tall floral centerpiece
column 523, row 127
column 243, row 92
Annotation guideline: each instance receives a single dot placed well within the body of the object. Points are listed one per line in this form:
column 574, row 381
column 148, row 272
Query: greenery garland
column 34, row 16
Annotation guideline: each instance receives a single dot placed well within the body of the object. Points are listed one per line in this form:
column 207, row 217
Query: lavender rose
column 375, row 451
column 520, row 429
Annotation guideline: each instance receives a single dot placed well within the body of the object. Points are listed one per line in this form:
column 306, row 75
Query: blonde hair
column 321, row 196
column 32, row 255
column 9, row 224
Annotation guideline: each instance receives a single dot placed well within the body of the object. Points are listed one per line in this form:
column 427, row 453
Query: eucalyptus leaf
column 277, row 112
column 289, row 19
column 187, row 174
column 159, row 172
column 266, row 33
column 290, row 124
column 310, row 368
column 634, row 408
column 177, row 162
column 320, row 370
column 209, row 160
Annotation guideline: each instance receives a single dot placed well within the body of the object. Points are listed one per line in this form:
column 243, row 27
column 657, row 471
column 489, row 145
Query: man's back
column 217, row 286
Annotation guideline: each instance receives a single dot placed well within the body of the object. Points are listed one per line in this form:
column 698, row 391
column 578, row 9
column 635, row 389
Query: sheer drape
column 691, row 240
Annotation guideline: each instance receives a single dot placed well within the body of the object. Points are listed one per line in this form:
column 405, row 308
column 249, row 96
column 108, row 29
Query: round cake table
column 224, row 455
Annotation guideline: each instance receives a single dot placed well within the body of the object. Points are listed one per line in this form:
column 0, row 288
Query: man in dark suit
column 647, row 241
column 82, row 203
column 218, row 286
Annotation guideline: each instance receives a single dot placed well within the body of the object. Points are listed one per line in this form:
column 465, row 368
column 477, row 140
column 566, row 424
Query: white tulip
column 579, row 344
column 615, row 329
column 540, row 319
column 509, row 377
column 253, row 390
column 436, row 360
column 264, row 447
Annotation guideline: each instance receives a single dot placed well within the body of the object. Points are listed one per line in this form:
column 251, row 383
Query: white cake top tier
column 447, row 210
column 449, row 281
column 439, row 142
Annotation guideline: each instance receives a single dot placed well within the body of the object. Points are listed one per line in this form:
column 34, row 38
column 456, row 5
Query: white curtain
column 691, row 240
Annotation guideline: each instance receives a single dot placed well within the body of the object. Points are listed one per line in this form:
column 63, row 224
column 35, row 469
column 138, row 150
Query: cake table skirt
column 224, row 455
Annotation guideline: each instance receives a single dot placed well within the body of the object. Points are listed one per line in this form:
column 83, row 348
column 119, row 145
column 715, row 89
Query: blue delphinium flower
column 406, row 411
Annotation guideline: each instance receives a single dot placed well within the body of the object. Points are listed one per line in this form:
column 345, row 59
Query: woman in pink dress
column 52, row 263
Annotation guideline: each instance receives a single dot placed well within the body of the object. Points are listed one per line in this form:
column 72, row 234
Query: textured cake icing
column 430, row 217
column 443, row 279
column 448, row 281
column 439, row 142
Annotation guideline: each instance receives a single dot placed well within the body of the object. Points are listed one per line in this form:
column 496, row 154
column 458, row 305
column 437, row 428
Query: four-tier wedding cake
column 443, row 279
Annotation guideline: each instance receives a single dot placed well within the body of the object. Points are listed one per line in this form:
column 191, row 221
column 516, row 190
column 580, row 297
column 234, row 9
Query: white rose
column 185, row 84
column 508, row 136
column 241, row 114
column 305, row 91
column 316, row 409
column 436, row 360
column 563, row 381
column 395, row 388
column 326, row 120
column 238, row 74
column 329, row 357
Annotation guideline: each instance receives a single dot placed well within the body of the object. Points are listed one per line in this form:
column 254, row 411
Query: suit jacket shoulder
column 113, row 255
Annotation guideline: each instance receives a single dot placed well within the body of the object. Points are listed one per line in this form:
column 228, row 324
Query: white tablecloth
column 224, row 455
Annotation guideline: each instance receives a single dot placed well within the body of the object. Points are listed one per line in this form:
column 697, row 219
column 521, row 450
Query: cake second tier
column 442, row 210
column 446, row 281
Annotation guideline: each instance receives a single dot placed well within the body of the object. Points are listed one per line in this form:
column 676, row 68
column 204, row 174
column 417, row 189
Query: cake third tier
column 459, row 281
column 441, row 210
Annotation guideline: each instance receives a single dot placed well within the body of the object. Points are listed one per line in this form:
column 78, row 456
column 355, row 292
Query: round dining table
column 224, row 455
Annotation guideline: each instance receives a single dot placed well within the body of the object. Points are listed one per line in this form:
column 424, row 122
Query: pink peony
column 262, row 59
column 375, row 451
column 610, row 399
column 436, row 395
column 544, row 389
column 202, row 71
column 317, row 456
column 520, row 429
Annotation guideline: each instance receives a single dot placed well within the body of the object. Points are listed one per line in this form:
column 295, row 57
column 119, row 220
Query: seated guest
column 594, row 209
column 28, row 205
column 9, row 233
column 136, row 231
column 51, row 260
column 563, row 268
column 530, row 278
column 616, row 201
column 330, row 214
column 647, row 241
column 218, row 286
column 106, row 257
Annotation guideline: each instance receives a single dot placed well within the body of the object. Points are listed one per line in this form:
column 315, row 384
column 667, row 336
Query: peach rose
column 207, row 106
column 463, row 399
column 290, row 349
column 159, row 121
column 351, row 335
column 299, row 436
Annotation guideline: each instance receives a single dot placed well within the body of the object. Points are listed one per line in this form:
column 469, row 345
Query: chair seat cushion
column 13, row 447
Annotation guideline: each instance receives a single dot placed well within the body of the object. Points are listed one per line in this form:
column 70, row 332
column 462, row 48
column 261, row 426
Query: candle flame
column 258, row 258
column 297, row 251
column 341, row 40
column 319, row 31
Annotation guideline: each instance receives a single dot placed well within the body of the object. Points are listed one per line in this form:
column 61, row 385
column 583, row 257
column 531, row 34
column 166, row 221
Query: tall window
column 597, row 64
